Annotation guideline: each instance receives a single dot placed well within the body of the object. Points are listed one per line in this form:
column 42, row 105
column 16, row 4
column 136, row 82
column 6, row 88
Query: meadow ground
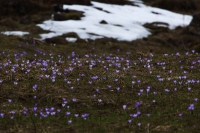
column 99, row 86
column 148, row 85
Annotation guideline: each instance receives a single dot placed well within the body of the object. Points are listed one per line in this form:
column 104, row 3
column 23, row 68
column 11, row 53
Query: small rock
column 103, row 22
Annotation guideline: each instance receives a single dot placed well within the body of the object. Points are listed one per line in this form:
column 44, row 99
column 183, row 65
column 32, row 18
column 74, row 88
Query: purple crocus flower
column 133, row 115
column 35, row 86
column 148, row 89
column 94, row 77
column 129, row 121
column 195, row 99
column 9, row 100
column 191, row 107
column 124, row 107
column 76, row 115
column 109, row 86
column 1, row 115
column 69, row 121
column 116, row 80
column 74, row 99
column 84, row 116
column 166, row 90
column 68, row 113
column 34, row 108
column 117, row 88
column 137, row 104
column 139, row 124
column 99, row 100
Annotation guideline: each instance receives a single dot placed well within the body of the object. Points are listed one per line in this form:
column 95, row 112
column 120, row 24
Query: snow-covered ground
column 123, row 22
column 18, row 33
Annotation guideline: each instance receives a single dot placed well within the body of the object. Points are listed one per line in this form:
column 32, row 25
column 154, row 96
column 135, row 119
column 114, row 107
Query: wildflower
column 35, row 86
column 129, row 121
column 166, row 90
column 124, row 107
column 191, row 107
column 84, row 116
column 13, row 112
column 15, row 83
column 109, row 86
column 195, row 99
column 133, row 115
column 69, row 121
column 68, row 113
column 137, row 104
column 74, row 99
column 34, row 108
column 94, row 77
column 99, row 100
column 52, row 109
column 1, row 115
column 138, row 113
column 139, row 124
column 148, row 115
column 9, row 100
column 76, row 115
column 133, row 82
column 117, row 88
column 116, row 80
column 148, row 89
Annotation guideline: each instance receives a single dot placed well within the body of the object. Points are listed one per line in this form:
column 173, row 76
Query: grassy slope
column 105, row 116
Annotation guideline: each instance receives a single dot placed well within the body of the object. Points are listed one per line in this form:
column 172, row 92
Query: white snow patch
column 130, row 18
column 17, row 33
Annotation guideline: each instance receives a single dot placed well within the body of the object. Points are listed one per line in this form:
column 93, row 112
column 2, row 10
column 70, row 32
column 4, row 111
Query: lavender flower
column 124, row 107
column 195, row 99
column 191, row 107
column 99, row 100
column 68, row 113
column 69, row 121
column 133, row 115
column 74, row 99
column 129, row 121
column 76, row 115
column 9, row 100
column 139, row 124
column 1, row 115
column 35, row 86
column 137, row 104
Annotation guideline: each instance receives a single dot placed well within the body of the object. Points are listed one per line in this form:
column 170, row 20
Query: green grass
column 90, row 59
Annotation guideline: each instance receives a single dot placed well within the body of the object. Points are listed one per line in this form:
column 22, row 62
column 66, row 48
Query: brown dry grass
column 181, row 6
